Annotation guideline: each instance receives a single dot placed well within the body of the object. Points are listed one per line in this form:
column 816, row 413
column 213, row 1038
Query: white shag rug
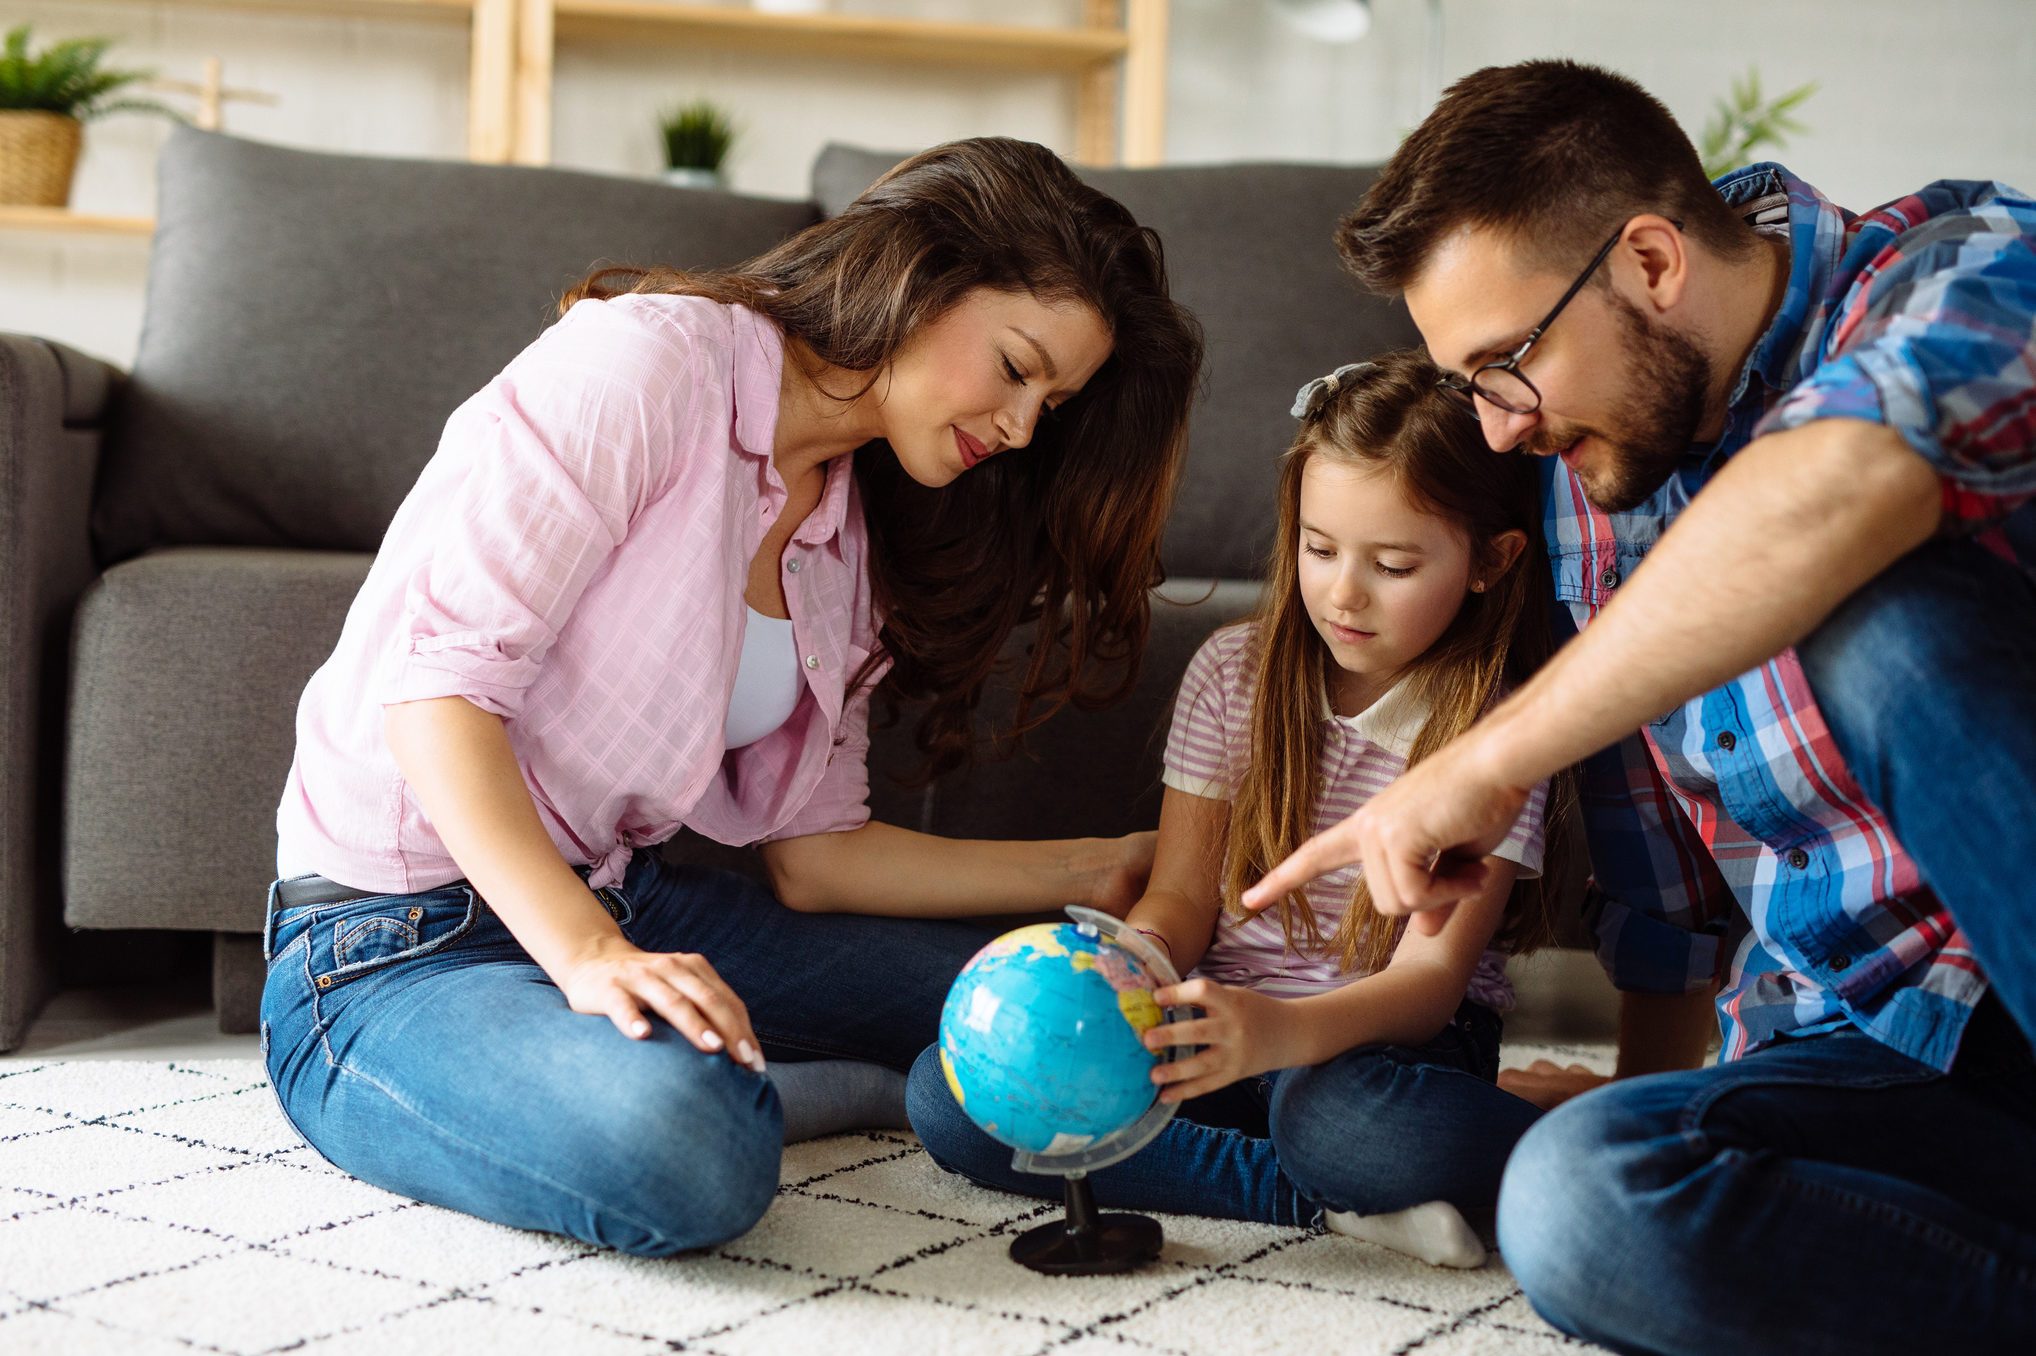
column 166, row 1207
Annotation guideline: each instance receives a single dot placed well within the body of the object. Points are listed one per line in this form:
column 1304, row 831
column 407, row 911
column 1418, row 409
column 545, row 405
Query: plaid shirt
column 1728, row 838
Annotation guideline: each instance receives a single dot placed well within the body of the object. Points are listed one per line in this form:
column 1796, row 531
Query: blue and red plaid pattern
column 1729, row 840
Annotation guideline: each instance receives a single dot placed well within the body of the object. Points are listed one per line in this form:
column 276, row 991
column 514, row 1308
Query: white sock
column 1434, row 1232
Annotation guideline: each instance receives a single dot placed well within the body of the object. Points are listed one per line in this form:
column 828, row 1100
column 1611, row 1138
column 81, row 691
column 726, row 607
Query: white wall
column 1909, row 92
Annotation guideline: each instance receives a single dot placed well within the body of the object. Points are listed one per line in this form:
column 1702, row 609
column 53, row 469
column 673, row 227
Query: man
column 1791, row 455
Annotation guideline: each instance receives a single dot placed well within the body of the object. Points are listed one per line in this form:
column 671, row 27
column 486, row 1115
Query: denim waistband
column 612, row 899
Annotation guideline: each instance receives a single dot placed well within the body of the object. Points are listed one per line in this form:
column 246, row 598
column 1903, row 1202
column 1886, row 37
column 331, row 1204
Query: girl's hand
column 1122, row 867
column 1242, row 1033
column 618, row 981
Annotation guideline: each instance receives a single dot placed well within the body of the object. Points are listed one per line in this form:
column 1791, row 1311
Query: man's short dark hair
column 1555, row 154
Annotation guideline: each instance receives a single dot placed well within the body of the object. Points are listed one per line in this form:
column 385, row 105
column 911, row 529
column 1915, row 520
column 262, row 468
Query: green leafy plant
column 1744, row 123
column 66, row 78
column 697, row 135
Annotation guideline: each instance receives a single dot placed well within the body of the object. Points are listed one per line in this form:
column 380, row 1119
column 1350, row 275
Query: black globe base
column 1087, row 1243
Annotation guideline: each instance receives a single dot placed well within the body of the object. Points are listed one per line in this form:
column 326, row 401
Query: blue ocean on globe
column 1040, row 1039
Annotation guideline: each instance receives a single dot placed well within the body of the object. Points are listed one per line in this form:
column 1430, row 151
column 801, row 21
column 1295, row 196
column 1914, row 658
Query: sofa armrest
column 53, row 406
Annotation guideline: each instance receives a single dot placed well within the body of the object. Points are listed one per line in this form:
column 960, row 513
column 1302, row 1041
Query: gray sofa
column 180, row 543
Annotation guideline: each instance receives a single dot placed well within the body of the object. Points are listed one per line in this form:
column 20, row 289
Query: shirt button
column 791, row 567
column 1609, row 579
column 1798, row 858
column 1726, row 739
column 812, row 661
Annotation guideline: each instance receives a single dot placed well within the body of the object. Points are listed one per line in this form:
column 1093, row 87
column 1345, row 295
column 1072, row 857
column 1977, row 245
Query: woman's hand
column 1548, row 1085
column 618, row 981
column 1242, row 1033
column 1122, row 867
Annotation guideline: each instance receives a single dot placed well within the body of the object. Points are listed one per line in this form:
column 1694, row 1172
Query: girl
column 648, row 582
column 1345, row 1066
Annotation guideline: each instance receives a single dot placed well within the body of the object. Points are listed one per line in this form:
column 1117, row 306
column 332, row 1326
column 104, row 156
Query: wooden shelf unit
column 1114, row 35
column 1120, row 44
column 850, row 36
column 64, row 219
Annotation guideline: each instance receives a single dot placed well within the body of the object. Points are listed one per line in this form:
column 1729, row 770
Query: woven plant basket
column 38, row 155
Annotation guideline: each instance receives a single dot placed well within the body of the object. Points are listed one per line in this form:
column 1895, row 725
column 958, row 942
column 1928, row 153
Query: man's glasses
column 1501, row 382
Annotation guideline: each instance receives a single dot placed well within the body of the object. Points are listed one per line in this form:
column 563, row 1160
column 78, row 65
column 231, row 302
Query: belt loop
column 269, row 924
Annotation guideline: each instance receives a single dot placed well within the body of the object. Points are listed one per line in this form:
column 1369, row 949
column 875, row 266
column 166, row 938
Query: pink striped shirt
column 1207, row 752
column 573, row 559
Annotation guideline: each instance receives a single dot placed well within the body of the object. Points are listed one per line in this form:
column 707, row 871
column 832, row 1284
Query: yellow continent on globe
column 1041, row 937
column 1135, row 1002
column 1139, row 1009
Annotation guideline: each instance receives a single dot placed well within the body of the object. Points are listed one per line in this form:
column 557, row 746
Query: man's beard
column 1669, row 378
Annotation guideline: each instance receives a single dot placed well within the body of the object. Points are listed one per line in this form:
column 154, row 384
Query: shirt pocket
column 1586, row 577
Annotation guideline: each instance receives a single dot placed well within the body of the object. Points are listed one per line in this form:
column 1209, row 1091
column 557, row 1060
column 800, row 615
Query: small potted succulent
column 45, row 100
column 696, row 137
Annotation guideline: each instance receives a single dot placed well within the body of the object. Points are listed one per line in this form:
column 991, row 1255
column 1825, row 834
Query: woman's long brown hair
column 1064, row 532
column 1395, row 417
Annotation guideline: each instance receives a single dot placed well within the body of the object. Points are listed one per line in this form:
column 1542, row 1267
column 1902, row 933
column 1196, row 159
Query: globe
column 1040, row 1039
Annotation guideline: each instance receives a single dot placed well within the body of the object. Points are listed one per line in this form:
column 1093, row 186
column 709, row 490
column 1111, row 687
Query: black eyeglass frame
column 1464, row 388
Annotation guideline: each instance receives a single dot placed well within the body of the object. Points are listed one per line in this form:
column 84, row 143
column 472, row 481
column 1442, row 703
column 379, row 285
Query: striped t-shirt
column 1207, row 752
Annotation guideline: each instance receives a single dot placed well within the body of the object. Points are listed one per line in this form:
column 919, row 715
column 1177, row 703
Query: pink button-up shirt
column 573, row 560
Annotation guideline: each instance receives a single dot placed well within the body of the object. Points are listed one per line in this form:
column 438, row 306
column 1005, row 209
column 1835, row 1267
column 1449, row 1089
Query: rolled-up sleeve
column 1937, row 341
column 534, row 483
column 1661, row 919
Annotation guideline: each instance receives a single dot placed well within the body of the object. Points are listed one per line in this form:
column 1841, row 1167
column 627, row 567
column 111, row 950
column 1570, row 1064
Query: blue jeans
column 1376, row 1129
column 1825, row 1194
column 414, row 1043
column 1927, row 679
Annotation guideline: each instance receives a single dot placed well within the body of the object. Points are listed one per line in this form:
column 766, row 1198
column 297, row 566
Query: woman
column 649, row 581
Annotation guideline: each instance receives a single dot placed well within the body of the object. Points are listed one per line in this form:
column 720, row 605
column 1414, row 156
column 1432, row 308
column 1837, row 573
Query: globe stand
column 1087, row 1242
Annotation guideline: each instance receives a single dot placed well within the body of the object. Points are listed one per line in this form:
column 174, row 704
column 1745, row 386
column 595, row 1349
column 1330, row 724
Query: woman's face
column 976, row 382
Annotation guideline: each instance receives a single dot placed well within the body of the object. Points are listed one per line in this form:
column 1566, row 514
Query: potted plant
column 697, row 137
column 45, row 100
column 1743, row 124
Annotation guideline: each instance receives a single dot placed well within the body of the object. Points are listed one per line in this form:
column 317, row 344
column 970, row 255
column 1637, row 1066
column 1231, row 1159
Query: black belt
column 305, row 891
column 308, row 890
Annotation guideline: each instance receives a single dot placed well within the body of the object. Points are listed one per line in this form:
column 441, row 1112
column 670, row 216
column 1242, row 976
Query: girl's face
column 976, row 382
column 1381, row 577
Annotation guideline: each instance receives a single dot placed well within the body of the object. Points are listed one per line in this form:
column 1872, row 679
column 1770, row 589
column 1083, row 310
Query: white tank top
column 767, row 681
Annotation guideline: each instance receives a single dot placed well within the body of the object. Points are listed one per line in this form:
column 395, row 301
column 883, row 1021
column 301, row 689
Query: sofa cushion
column 1083, row 772
column 182, row 725
column 188, row 666
column 1250, row 251
column 312, row 319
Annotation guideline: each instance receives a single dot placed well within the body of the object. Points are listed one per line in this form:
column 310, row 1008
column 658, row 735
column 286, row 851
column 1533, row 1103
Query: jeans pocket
column 367, row 936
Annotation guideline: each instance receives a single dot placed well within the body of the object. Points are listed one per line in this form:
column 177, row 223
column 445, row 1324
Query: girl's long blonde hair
column 1392, row 416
